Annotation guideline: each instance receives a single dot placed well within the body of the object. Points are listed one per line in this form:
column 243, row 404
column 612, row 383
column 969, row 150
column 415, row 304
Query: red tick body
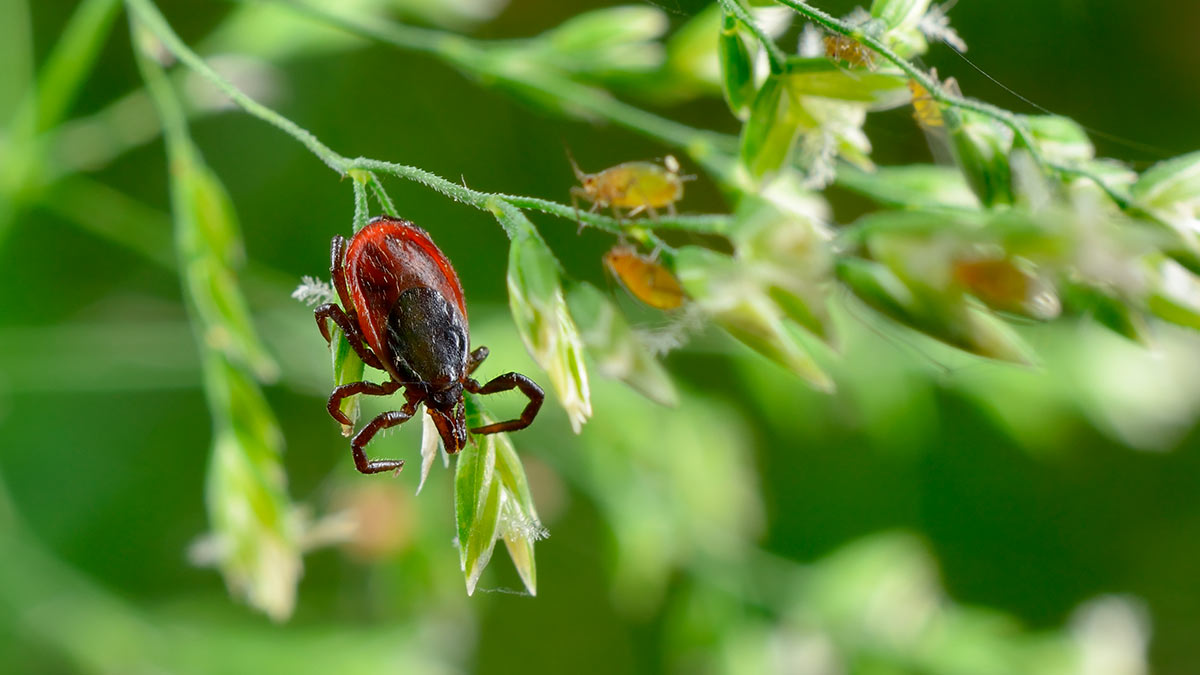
column 409, row 302
column 404, row 301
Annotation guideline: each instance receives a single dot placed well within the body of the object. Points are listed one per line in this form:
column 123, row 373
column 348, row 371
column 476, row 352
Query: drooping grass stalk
column 149, row 16
column 704, row 146
column 255, row 527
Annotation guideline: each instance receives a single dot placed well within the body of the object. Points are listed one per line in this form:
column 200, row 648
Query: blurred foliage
column 940, row 466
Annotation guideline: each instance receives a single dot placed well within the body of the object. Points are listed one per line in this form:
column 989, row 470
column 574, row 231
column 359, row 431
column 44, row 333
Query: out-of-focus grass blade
column 16, row 51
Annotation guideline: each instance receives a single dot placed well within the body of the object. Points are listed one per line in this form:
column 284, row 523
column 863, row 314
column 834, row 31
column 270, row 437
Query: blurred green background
column 938, row 514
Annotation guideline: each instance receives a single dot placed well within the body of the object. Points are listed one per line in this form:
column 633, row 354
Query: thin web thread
column 1136, row 145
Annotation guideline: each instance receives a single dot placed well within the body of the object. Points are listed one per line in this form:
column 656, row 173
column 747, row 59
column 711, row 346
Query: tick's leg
column 337, row 272
column 335, row 314
column 368, row 388
column 636, row 210
column 671, row 209
column 476, row 358
column 383, row 421
column 504, row 383
column 652, row 212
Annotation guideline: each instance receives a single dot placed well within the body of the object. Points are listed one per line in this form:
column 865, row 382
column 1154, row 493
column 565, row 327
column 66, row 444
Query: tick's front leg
column 331, row 312
column 507, row 382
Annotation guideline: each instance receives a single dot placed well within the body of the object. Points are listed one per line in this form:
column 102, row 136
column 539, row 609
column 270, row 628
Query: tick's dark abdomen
column 427, row 337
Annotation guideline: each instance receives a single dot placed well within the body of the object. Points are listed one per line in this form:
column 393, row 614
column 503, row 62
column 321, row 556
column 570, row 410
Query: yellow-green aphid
column 637, row 186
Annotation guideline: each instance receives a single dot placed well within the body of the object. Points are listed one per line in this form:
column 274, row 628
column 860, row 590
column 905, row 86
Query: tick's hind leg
column 383, row 421
column 331, row 312
column 505, row 383
column 368, row 388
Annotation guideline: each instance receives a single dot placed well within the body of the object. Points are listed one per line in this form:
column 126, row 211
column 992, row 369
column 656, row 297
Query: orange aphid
column 645, row 278
column 1006, row 285
column 638, row 186
column 844, row 48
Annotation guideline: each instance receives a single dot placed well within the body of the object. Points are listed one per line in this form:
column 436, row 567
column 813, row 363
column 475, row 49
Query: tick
column 405, row 315
column 638, row 186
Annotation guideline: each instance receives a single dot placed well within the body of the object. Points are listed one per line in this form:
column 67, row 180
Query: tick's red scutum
column 387, row 258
